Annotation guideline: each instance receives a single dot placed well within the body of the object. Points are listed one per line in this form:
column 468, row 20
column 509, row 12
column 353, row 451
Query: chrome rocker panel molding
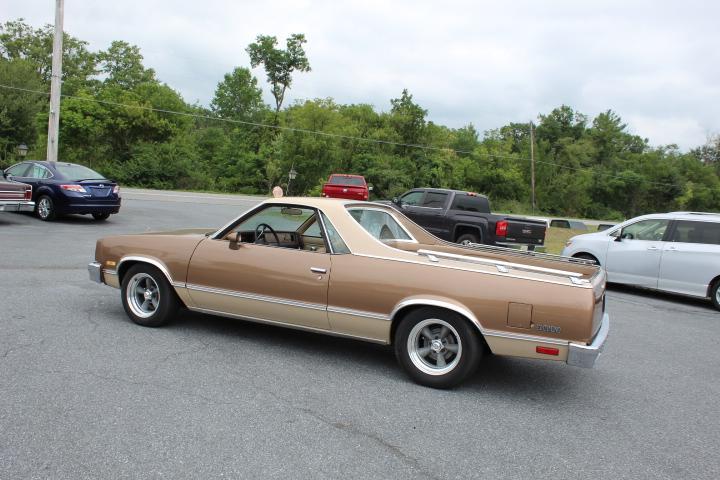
column 585, row 355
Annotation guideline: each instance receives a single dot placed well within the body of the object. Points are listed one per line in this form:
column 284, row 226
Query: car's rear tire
column 587, row 256
column 467, row 238
column 100, row 216
column 45, row 209
column 437, row 348
column 715, row 294
column 148, row 298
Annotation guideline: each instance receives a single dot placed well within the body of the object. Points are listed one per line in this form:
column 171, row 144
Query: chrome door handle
column 653, row 247
column 672, row 249
column 318, row 270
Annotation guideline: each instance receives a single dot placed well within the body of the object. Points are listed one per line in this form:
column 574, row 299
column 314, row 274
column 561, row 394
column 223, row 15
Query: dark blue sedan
column 63, row 188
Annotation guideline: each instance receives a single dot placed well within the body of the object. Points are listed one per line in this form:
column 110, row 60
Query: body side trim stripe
column 288, row 325
column 254, row 296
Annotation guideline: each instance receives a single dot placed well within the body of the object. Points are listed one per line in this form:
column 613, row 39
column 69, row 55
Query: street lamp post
column 291, row 176
column 22, row 150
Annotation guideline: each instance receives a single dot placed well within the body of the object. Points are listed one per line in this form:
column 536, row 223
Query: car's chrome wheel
column 434, row 346
column 45, row 208
column 437, row 347
column 143, row 295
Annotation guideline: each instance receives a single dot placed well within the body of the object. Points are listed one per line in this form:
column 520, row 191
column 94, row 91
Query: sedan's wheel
column 100, row 216
column 45, row 208
column 147, row 297
column 437, row 348
column 715, row 294
column 467, row 239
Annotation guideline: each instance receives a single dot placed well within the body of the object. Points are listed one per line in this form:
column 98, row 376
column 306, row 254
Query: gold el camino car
column 363, row 270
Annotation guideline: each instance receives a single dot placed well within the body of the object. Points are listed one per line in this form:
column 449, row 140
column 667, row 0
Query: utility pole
column 55, row 84
column 532, row 165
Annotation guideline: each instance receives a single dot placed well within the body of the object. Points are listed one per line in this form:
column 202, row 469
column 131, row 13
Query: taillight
column 74, row 188
column 501, row 228
column 28, row 192
column 116, row 189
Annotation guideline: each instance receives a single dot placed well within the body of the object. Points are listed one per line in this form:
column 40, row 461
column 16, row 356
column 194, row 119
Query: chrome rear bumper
column 17, row 207
column 95, row 271
column 585, row 355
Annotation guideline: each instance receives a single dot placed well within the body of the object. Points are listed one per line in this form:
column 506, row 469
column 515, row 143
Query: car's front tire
column 148, row 298
column 437, row 348
column 45, row 208
column 715, row 294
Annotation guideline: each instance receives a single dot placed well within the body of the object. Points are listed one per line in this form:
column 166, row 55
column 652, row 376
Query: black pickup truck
column 465, row 217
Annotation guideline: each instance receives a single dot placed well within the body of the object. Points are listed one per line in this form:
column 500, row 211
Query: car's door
column 411, row 204
column 634, row 257
column 285, row 284
column 429, row 214
column 691, row 258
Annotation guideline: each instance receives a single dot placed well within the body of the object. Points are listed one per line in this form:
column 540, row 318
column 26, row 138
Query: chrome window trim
column 288, row 325
column 255, row 296
column 320, row 215
column 387, row 211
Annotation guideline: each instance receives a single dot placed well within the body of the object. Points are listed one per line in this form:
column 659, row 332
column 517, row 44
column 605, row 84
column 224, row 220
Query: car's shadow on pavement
column 520, row 379
column 641, row 293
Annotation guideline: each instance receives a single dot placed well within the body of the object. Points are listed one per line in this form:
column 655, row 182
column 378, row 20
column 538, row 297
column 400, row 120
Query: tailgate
column 351, row 192
column 525, row 231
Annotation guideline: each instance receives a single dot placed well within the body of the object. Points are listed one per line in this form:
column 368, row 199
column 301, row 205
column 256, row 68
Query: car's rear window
column 342, row 180
column 379, row 224
column 77, row 172
column 470, row 203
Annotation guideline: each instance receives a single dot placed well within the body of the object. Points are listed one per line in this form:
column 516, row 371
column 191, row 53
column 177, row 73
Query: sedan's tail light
column 501, row 228
column 28, row 192
column 116, row 189
column 74, row 188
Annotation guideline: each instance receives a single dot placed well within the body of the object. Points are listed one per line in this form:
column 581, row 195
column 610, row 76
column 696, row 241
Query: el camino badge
column 546, row 328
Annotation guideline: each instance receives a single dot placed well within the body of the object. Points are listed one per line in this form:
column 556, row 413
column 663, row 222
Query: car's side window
column 412, row 198
column 379, row 224
column 19, row 170
column 696, row 232
column 652, row 229
column 435, row 200
column 336, row 241
column 38, row 171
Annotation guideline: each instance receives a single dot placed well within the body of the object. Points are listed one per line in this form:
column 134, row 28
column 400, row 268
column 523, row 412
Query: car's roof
column 690, row 216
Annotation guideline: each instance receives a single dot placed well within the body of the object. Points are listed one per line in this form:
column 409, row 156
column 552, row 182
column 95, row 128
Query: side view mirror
column 396, row 200
column 618, row 238
column 5, row 174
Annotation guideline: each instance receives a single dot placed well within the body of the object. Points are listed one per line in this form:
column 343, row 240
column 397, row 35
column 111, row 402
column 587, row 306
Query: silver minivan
column 675, row 252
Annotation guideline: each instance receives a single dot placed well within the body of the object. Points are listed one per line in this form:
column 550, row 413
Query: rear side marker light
column 547, row 350
column 74, row 188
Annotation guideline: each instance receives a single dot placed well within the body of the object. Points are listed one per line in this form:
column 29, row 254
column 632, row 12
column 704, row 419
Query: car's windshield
column 77, row 172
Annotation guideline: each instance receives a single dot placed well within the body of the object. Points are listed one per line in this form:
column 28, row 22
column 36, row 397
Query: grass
column 555, row 238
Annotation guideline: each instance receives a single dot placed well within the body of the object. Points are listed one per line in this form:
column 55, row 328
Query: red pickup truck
column 352, row 187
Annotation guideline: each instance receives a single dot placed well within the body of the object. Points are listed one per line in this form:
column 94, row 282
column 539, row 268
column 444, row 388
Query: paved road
column 84, row 393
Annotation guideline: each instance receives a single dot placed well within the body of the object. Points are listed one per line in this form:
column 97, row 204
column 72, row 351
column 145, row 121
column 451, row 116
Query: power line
column 325, row 134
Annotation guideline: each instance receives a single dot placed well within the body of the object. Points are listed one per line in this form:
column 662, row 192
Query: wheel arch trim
column 150, row 260
column 435, row 302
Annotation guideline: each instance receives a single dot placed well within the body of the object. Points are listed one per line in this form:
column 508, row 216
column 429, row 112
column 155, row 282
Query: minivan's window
column 696, row 232
column 77, row 172
column 653, row 230
column 379, row 224
column 340, row 180
column 434, row 199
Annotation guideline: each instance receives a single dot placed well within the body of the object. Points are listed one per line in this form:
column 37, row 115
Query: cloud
column 656, row 63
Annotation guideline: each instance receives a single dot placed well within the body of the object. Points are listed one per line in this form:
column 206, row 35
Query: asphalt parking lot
column 85, row 393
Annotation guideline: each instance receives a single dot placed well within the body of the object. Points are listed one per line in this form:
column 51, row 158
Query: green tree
column 279, row 64
column 237, row 96
column 122, row 63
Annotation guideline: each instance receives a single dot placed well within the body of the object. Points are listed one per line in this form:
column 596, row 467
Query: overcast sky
column 656, row 63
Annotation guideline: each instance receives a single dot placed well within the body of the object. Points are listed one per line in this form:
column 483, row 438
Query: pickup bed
column 15, row 197
column 465, row 217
